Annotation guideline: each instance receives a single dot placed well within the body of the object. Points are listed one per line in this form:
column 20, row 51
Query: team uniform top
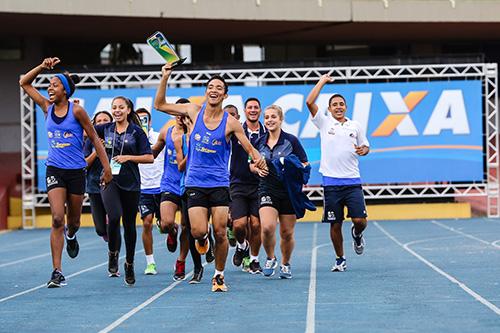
column 94, row 171
column 151, row 172
column 131, row 142
column 339, row 161
column 208, row 155
column 240, row 170
column 65, row 140
column 287, row 144
column 171, row 179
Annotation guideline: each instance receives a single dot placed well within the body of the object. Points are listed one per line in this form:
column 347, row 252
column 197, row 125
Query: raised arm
column 27, row 79
column 313, row 95
column 161, row 104
column 84, row 120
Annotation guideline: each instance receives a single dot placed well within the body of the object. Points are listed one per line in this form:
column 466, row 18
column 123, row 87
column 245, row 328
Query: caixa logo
column 449, row 113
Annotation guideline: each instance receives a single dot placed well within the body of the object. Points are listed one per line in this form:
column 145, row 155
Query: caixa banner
column 418, row 131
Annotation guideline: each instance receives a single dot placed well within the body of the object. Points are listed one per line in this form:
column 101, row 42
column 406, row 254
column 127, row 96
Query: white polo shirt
column 151, row 173
column 338, row 157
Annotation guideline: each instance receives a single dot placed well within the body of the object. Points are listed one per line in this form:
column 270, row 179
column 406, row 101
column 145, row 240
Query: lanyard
column 123, row 143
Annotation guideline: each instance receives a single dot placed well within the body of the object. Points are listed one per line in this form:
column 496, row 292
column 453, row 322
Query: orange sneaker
column 202, row 248
column 218, row 284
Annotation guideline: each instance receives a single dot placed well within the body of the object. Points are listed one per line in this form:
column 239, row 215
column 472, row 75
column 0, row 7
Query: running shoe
column 150, row 269
column 285, row 271
column 245, row 265
column 198, row 274
column 57, row 279
column 255, row 267
column 230, row 237
column 340, row 265
column 180, row 270
column 203, row 247
column 172, row 239
column 358, row 242
column 240, row 253
column 218, row 283
column 210, row 255
column 129, row 274
column 113, row 264
column 72, row 246
column 269, row 267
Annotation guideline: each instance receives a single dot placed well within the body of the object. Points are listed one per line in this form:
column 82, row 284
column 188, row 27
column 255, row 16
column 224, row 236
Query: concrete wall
column 287, row 10
column 10, row 119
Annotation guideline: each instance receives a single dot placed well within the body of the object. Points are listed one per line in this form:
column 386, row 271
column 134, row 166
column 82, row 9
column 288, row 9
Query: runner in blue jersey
column 65, row 123
column 207, row 176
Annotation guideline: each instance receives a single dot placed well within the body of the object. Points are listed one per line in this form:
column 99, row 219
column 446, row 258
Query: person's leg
column 57, row 200
column 112, row 204
column 168, row 209
column 219, row 223
column 74, row 212
column 147, row 234
column 255, row 236
column 287, row 240
column 337, row 239
column 130, row 202
column 268, row 221
column 98, row 214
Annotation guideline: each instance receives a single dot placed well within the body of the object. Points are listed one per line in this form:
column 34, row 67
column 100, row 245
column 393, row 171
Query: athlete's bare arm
column 313, row 95
column 160, row 143
column 234, row 127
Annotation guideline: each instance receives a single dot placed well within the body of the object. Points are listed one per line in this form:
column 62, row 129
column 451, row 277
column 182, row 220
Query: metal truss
column 487, row 73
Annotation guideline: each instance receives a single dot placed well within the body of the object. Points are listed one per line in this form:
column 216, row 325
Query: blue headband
column 65, row 84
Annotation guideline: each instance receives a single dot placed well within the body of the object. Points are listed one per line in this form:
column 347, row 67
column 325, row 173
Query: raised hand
column 325, row 78
column 166, row 70
column 49, row 63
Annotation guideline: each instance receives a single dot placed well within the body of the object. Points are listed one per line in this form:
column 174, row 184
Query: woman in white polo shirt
column 342, row 141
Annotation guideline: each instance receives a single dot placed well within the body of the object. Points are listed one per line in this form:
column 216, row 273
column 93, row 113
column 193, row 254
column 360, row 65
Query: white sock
column 243, row 245
column 150, row 259
column 252, row 258
column 218, row 273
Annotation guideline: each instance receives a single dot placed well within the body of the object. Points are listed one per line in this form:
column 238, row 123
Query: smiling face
column 56, row 91
column 272, row 119
column 338, row 108
column 215, row 92
column 252, row 111
column 120, row 110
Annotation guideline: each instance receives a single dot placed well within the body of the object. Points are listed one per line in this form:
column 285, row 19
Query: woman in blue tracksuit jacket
column 273, row 195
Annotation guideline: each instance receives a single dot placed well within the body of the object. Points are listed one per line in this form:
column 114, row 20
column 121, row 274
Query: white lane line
column 496, row 243
column 311, row 300
column 10, row 263
column 138, row 308
column 4, row 231
column 444, row 226
column 67, row 277
column 462, row 285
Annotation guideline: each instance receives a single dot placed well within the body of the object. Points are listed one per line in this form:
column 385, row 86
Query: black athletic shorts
column 338, row 197
column 73, row 180
column 244, row 201
column 149, row 204
column 282, row 204
column 172, row 197
column 207, row 197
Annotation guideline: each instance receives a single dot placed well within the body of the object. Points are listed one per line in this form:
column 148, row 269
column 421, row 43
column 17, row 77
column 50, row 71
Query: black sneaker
column 255, row 267
column 358, row 242
column 113, row 264
column 198, row 274
column 57, row 280
column 129, row 274
column 72, row 246
column 239, row 254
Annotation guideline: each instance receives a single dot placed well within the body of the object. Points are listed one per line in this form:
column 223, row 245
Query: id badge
column 115, row 167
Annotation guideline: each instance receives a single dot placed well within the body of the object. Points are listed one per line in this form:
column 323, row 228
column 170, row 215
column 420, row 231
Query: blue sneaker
column 285, row 271
column 269, row 267
column 340, row 265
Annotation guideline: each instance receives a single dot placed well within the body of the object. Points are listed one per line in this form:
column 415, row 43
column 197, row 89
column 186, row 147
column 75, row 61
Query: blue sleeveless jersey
column 65, row 140
column 171, row 179
column 208, row 155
